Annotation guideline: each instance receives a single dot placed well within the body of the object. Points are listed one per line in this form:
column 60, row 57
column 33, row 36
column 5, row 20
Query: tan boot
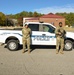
column 29, row 52
column 57, row 52
column 61, row 52
column 23, row 51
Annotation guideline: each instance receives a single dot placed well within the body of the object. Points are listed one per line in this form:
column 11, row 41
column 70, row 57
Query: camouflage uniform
column 26, row 38
column 60, row 39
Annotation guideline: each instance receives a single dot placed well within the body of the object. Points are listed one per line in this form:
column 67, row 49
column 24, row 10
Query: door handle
column 43, row 34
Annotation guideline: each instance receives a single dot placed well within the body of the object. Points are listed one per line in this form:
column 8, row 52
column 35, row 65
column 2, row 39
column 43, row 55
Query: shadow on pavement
column 33, row 47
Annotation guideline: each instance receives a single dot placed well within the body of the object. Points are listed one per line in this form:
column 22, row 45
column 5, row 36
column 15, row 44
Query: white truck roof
column 39, row 23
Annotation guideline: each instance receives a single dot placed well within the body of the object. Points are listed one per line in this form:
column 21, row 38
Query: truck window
column 48, row 28
column 34, row 27
column 40, row 27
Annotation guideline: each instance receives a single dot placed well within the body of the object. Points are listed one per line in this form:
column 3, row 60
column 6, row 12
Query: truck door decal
column 43, row 38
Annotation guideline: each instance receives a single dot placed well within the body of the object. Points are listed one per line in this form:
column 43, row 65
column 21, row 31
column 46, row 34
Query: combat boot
column 23, row 51
column 29, row 51
column 61, row 52
column 57, row 52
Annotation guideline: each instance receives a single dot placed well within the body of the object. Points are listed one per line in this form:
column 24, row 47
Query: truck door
column 42, row 34
column 48, row 35
column 35, row 34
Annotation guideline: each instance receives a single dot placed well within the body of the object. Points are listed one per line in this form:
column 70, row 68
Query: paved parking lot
column 41, row 61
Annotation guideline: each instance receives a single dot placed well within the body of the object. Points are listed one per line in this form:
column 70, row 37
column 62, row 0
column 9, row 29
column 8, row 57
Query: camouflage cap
column 26, row 24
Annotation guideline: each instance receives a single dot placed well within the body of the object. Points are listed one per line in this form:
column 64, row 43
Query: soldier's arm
column 56, row 31
column 64, row 31
column 22, row 31
column 30, row 31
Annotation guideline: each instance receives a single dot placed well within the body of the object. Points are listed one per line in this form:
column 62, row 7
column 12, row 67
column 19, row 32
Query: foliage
column 2, row 19
column 20, row 21
column 25, row 14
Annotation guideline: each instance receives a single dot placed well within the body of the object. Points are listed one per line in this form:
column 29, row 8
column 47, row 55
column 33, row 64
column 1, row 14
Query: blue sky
column 41, row 6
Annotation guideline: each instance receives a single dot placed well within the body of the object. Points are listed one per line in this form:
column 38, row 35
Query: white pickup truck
column 42, row 34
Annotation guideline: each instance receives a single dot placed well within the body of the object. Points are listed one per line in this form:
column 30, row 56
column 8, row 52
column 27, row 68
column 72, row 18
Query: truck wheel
column 68, row 45
column 12, row 45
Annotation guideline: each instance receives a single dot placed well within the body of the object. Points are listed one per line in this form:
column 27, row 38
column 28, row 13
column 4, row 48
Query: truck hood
column 70, row 35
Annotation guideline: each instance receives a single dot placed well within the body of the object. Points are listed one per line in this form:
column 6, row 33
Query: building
column 30, row 19
column 53, row 19
column 49, row 18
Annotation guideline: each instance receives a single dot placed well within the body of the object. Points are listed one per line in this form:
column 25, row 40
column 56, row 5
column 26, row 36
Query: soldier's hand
column 59, row 33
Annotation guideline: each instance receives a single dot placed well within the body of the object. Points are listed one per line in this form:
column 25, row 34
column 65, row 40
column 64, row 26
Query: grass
column 69, row 29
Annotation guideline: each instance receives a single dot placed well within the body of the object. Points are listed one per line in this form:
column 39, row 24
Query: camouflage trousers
column 59, row 43
column 26, row 42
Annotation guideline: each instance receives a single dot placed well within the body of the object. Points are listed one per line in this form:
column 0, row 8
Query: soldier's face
column 60, row 25
column 26, row 26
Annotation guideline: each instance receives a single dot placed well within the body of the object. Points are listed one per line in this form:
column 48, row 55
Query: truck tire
column 12, row 45
column 68, row 45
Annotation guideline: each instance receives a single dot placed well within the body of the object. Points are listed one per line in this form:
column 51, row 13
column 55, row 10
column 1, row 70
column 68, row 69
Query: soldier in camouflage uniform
column 26, row 31
column 60, row 35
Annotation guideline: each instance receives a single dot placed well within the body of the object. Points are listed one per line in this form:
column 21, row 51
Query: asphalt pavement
column 41, row 61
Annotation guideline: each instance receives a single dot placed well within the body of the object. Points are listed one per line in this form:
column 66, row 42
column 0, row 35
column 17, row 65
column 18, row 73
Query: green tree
column 70, row 18
column 2, row 19
column 20, row 21
column 68, row 23
column 35, row 14
column 30, row 14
